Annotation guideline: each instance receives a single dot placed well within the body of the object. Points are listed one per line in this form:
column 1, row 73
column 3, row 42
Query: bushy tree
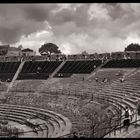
column 84, row 53
column 20, row 47
column 133, row 47
column 49, row 48
column 27, row 50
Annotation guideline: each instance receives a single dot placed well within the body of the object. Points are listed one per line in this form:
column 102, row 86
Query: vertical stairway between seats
column 95, row 70
column 16, row 75
column 57, row 69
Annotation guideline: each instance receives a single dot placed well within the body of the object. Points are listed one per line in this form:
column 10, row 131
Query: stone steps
column 57, row 120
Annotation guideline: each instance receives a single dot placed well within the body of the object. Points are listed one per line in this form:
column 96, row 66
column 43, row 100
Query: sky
column 74, row 28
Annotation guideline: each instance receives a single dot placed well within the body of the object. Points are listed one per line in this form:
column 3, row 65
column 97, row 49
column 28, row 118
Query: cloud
column 77, row 43
column 22, row 19
column 66, row 48
column 96, row 27
column 98, row 12
column 132, row 38
column 35, row 40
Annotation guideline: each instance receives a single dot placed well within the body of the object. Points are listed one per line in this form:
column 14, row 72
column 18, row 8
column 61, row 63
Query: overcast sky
column 96, row 27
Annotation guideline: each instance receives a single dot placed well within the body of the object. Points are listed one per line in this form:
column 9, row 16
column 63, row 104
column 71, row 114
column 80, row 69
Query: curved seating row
column 123, row 94
column 113, row 92
column 61, row 125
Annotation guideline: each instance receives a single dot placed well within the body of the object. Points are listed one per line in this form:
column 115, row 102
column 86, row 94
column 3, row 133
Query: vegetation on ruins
column 133, row 47
column 49, row 48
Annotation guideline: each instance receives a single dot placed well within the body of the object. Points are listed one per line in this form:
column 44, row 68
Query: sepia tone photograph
column 70, row 70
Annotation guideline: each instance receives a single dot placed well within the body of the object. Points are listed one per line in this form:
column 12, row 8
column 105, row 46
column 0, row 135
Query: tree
column 27, row 50
column 49, row 48
column 4, row 49
column 84, row 53
column 133, row 47
column 20, row 47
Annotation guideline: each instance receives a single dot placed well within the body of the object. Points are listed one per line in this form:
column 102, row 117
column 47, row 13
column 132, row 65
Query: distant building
column 117, row 55
column 4, row 49
column 132, row 54
column 28, row 52
column 13, row 51
column 7, row 50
